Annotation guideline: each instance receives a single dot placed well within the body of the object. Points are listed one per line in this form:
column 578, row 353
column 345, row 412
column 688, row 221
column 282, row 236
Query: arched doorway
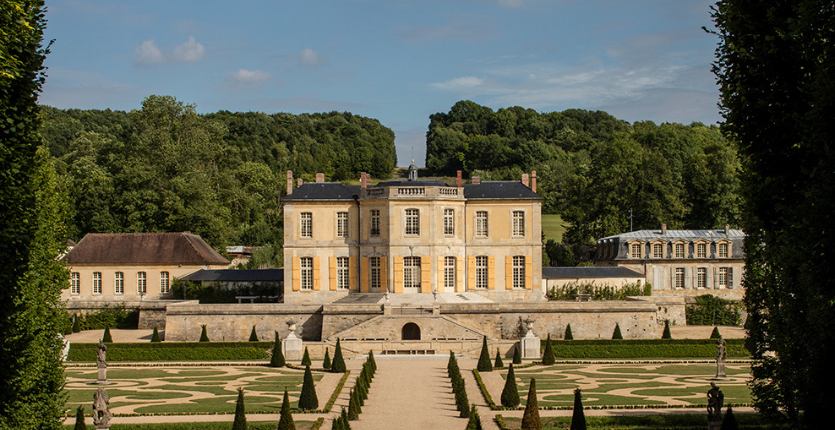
column 411, row 331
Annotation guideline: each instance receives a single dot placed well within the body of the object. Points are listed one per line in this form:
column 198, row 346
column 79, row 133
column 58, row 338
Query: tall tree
column 32, row 227
column 775, row 65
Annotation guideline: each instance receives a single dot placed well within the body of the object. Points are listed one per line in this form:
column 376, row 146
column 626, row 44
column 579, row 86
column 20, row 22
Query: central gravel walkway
column 410, row 393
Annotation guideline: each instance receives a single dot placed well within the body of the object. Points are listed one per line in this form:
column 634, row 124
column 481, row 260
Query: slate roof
column 143, row 248
column 492, row 190
column 324, row 191
column 230, row 275
column 589, row 272
column 648, row 235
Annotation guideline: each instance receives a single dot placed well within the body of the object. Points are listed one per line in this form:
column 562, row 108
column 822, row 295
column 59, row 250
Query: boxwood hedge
column 645, row 348
column 173, row 351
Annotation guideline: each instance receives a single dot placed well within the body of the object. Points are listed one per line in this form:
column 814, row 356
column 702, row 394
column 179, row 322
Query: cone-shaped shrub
column 517, row 355
column 285, row 421
column 578, row 419
column 240, row 412
column 452, row 363
column 617, row 334
column 530, row 419
column 307, row 399
column 499, row 362
column 76, row 324
column 306, row 358
column 667, row 334
column 713, row 335
column 337, row 424
column 729, row 422
column 548, row 357
column 463, row 403
column 484, row 364
column 568, row 334
column 253, row 336
column 277, row 360
column 475, row 421
column 510, row 394
column 372, row 361
column 79, row 419
column 107, row 338
column 338, row 363
column 204, row 337
column 155, row 336
column 353, row 407
column 344, row 417
column 326, row 363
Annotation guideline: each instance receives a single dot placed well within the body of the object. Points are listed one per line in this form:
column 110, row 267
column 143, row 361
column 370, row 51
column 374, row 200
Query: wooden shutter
column 730, row 276
column 672, row 278
column 317, row 277
column 441, row 274
column 687, row 274
column 459, row 276
column 426, row 275
column 384, row 280
column 352, row 273
column 297, row 271
column 491, row 272
column 364, row 271
column 528, row 272
column 398, row 274
column 715, row 278
column 508, row 272
column 332, row 273
column 471, row 272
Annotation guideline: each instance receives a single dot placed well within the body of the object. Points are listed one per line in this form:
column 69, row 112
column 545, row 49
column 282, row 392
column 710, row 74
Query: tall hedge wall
column 645, row 348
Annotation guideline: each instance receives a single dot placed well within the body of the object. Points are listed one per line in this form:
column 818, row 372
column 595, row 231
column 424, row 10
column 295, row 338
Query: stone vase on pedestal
column 292, row 347
column 531, row 344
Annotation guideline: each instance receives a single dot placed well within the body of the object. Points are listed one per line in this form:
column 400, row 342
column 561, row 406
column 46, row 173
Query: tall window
column 657, row 250
column 723, row 250
column 449, row 222
column 679, row 277
column 342, row 224
column 481, row 224
column 119, row 283
column 164, row 283
column 306, row 275
column 636, row 250
column 679, row 250
column 96, row 282
column 481, row 272
column 701, row 277
column 75, row 283
column 411, row 272
column 374, row 272
column 519, row 271
column 412, row 222
column 701, row 250
column 449, row 274
column 518, row 223
column 375, row 222
column 342, row 279
column 141, row 285
column 306, row 224
column 725, row 277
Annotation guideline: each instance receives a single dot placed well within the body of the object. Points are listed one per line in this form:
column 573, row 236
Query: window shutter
column 441, row 274
column 398, row 274
column 317, row 277
column 352, row 273
column 459, row 277
column 426, row 275
column 491, row 272
column 364, row 271
column 528, row 272
column 508, row 272
column 384, row 281
column 715, row 278
column 672, row 278
column 730, row 276
column 297, row 271
column 687, row 274
column 331, row 272
column 471, row 272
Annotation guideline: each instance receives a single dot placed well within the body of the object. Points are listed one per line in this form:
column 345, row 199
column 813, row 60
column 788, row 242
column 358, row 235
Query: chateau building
column 412, row 237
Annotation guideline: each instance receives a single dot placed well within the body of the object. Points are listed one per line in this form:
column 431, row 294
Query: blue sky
column 396, row 61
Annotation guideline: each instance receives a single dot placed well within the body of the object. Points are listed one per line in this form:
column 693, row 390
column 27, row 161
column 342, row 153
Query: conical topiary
column 548, row 357
column 307, row 399
column 344, row 416
column 240, row 412
column 578, row 419
column 79, row 419
column 484, row 364
column 277, row 359
column 617, row 334
column 326, row 363
column 667, row 334
column 517, row 355
column 76, row 324
column 253, row 336
column 107, row 338
column 510, row 394
column 372, row 361
column 155, row 336
column 474, row 422
column 499, row 362
column 530, row 419
column 285, row 421
column 204, row 337
column 338, row 363
column 462, row 401
column 353, row 406
column 729, row 421
column 568, row 334
column 713, row 335
column 306, row 358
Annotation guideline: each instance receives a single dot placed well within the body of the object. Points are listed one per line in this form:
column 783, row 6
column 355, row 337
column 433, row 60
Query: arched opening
column 411, row 331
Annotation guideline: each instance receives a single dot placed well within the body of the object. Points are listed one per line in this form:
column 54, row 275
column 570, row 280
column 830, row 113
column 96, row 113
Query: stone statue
column 715, row 399
column 720, row 359
column 101, row 416
column 101, row 356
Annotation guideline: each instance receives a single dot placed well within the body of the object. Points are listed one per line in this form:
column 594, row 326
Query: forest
column 163, row 167
column 594, row 170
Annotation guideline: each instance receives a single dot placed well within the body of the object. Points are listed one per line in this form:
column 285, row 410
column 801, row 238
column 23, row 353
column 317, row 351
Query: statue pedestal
column 102, row 376
column 714, row 425
column 531, row 346
column 720, row 372
column 292, row 347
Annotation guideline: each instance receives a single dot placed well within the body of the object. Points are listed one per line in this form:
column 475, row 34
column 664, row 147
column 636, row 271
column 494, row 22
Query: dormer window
column 679, row 250
column 657, row 250
column 723, row 250
column 636, row 250
column 701, row 250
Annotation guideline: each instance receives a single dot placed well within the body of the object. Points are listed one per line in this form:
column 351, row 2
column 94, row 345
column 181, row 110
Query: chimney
column 525, row 180
column 289, row 182
column 458, row 179
column 299, row 182
column 475, row 180
column 320, row 177
column 363, row 180
column 533, row 181
column 727, row 229
column 663, row 229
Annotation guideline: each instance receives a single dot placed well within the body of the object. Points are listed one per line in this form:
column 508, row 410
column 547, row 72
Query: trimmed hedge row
column 645, row 348
column 173, row 351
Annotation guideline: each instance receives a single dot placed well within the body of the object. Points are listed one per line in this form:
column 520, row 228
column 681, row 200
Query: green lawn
column 300, row 425
column 552, row 227
column 648, row 422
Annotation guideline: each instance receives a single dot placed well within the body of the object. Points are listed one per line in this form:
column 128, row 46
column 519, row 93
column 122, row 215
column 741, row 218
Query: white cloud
column 309, row 58
column 188, row 52
column 248, row 79
column 464, row 82
column 148, row 53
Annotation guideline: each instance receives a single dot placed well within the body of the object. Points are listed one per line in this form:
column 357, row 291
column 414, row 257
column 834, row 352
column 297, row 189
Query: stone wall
column 233, row 322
